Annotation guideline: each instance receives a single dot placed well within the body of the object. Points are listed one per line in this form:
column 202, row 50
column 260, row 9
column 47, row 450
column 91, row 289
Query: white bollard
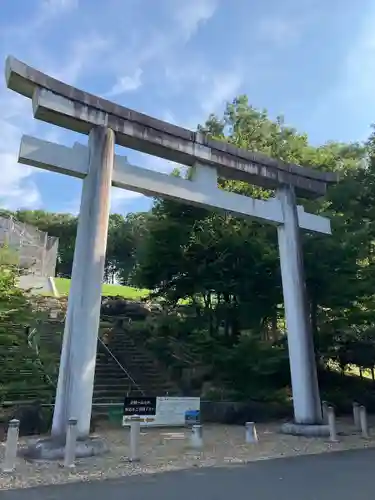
column 356, row 416
column 196, row 437
column 135, row 431
column 332, row 424
column 251, row 435
column 11, row 446
column 70, row 444
column 325, row 411
column 363, row 422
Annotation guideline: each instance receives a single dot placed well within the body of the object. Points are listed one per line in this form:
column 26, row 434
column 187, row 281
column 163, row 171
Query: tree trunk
column 227, row 314
column 314, row 314
column 274, row 330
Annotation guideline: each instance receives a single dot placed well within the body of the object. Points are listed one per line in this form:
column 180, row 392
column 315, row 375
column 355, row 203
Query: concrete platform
column 294, row 429
column 53, row 449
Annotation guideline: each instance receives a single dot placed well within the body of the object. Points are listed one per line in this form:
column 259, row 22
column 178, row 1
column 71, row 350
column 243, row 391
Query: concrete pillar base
column 312, row 430
column 54, row 449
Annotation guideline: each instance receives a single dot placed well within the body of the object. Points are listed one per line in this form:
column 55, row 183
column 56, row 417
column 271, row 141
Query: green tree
column 229, row 268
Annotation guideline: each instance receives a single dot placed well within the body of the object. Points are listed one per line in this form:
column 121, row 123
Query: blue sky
column 179, row 60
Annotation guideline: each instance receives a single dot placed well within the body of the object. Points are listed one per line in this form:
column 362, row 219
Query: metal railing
column 35, row 250
column 121, row 366
column 33, row 344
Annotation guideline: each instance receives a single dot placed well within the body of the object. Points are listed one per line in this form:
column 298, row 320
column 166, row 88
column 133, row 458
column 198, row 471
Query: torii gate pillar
column 78, row 355
column 306, row 399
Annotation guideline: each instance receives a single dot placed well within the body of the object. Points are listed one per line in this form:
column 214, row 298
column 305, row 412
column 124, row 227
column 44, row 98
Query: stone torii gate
column 107, row 123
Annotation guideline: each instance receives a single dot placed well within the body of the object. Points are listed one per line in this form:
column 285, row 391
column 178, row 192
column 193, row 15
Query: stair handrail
column 32, row 342
column 120, row 365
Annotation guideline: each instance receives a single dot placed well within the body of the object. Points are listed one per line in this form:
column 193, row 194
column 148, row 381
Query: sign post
column 135, row 430
column 137, row 410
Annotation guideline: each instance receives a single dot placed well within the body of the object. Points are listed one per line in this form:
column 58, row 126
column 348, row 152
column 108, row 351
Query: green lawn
column 63, row 285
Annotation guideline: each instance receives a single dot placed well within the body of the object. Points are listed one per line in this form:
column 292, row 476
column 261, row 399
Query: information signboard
column 167, row 412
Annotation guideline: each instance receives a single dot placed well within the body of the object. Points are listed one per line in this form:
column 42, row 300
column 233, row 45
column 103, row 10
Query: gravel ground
column 167, row 449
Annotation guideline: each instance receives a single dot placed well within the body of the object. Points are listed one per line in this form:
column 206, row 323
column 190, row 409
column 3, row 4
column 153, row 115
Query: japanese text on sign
column 140, row 406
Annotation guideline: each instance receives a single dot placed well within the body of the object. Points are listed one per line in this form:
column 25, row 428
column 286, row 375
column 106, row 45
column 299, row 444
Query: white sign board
column 170, row 412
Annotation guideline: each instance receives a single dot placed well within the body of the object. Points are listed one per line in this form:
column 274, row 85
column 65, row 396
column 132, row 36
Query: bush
column 22, row 376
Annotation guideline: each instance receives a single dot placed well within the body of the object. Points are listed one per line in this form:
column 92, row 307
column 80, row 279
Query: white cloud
column 46, row 11
column 57, row 6
column 82, row 56
column 170, row 117
column 158, row 45
column 351, row 93
column 211, row 89
column 359, row 68
column 17, row 186
column 119, row 197
column 279, row 31
column 154, row 163
column 222, row 87
column 126, row 84
column 17, row 189
column 191, row 15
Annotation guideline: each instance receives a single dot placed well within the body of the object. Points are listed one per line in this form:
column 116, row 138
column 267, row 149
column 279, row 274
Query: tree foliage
column 228, row 267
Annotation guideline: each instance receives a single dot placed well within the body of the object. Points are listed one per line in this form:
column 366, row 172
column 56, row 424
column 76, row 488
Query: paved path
column 344, row 476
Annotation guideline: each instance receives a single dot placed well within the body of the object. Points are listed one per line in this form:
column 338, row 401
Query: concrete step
column 136, row 360
column 110, row 376
column 106, row 400
column 117, row 398
column 133, row 358
column 111, row 382
column 105, row 384
column 125, row 357
column 109, row 366
column 102, row 372
column 110, row 394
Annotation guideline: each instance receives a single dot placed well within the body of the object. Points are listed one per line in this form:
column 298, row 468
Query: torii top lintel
column 63, row 105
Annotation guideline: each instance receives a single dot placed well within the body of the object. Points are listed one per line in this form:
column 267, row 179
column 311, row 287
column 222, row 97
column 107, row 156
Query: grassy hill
column 63, row 285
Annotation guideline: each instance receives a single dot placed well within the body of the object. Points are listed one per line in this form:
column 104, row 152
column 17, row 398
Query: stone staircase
column 122, row 368
column 149, row 377
column 22, row 378
column 113, row 381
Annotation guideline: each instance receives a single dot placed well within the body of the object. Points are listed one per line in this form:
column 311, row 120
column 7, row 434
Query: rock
column 119, row 307
column 33, row 420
